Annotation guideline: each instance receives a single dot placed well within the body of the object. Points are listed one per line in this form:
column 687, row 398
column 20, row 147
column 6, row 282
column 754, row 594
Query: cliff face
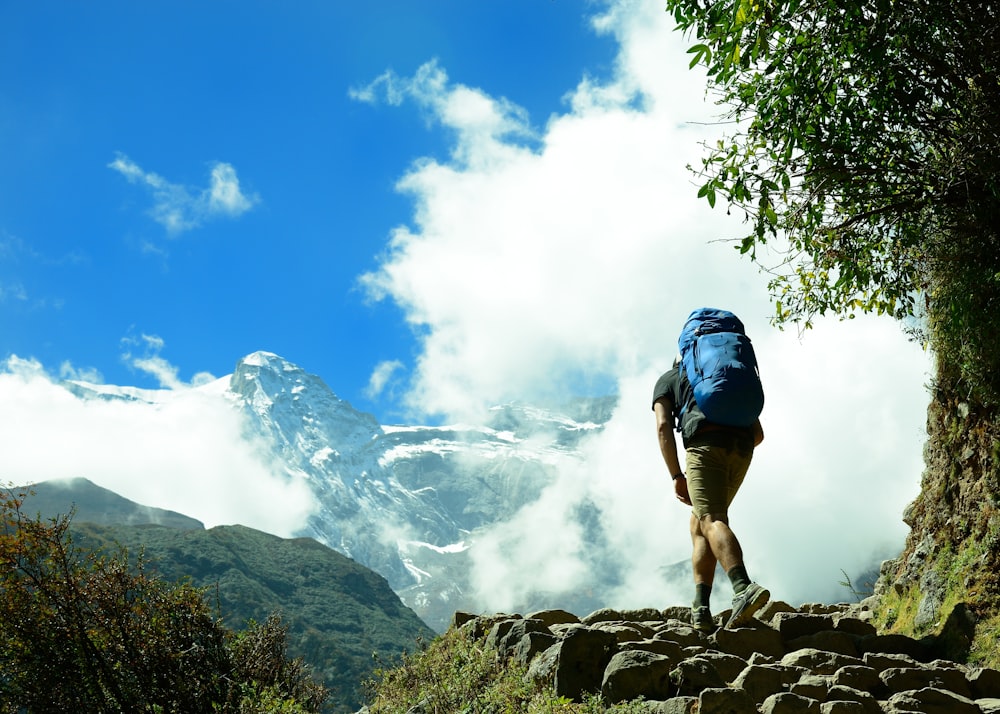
column 948, row 577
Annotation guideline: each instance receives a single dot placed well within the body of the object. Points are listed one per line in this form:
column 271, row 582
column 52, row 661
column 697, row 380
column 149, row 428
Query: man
column 717, row 459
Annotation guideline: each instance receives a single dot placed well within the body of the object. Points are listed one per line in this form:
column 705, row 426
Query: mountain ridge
column 342, row 618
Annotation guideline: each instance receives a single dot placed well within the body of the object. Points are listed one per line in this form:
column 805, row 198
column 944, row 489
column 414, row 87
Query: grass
column 965, row 581
column 458, row 673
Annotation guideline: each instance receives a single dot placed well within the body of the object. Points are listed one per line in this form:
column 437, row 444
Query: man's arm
column 663, row 409
column 758, row 433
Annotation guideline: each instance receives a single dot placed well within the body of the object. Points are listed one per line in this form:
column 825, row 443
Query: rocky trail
column 815, row 659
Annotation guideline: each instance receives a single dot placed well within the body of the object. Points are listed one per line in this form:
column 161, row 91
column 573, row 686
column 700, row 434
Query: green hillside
column 343, row 619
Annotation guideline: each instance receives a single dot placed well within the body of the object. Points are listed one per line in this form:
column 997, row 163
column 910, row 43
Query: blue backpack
column 721, row 365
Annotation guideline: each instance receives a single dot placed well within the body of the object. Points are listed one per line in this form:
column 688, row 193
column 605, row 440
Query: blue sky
column 89, row 264
column 435, row 206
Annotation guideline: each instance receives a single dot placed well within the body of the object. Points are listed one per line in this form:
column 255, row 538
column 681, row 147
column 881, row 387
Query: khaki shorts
column 715, row 470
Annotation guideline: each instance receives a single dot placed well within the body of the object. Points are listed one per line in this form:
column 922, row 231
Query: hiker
column 717, row 453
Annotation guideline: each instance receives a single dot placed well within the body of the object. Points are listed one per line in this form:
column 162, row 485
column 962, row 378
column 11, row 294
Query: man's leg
column 703, row 563
column 749, row 597
column 717, row 535
column 703, row 559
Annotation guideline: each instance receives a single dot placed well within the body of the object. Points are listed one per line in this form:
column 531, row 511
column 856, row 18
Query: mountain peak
column 263, row 358
column 287, row 400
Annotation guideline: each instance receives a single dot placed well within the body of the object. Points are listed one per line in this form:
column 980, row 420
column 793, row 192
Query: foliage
column 960, row 570
column 90, row 631
column 338, row 613
column 866, row 149
column 857, row 594
column 457, row 672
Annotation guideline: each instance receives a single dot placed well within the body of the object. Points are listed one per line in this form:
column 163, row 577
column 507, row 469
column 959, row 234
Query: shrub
column 92, row 631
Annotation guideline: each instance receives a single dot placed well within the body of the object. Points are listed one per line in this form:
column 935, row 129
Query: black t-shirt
column 674, row 384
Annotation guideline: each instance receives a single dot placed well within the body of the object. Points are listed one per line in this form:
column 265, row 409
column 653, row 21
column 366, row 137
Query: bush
column 457, row 672
column 90, row 631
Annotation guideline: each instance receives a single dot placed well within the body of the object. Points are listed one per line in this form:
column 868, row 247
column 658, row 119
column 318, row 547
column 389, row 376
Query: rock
column 685, row 636
column 828, row 640
column 634, row 674
column 933, row 592
column 902, row 679
column 957, row 632
column 881, row 661
column 725, row 701
column 761, row 681
column 480, row 626
column 661, row 647
column 746, row 641
column 727, row 665
column 553, row 617
column 529, row 646
column 857, row 677
column 931, row 701
column 603, row 615
column 624, row 632
column 460, row 618
column 985, row 683
column 792, row 625
column 813, row 686
column 989, row 705
column 854, row 626
column 695, row 674
column 819, row 661
column 504, row 635
column 772, row 608
column 678, row 612
column 647, row 614
column 583, row 656
column 842, row 707
column 869, row 704
column 788, row 703
column 664, row 666
column 892, row 644
column 674, row 705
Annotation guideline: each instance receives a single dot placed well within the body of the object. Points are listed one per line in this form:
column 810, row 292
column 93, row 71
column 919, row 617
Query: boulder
column 725, row 700
column 788, row 703
column 815, row 660
column 582, row 657
column 746, row 641
column 819, row 661
column 761, row 681
column 931, row 701
column 553, row 617
column 633, row 674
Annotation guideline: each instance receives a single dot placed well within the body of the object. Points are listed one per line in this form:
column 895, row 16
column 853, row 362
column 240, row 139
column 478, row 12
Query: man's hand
column 681, row 490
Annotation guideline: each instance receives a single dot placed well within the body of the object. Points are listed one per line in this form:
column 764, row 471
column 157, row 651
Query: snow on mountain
column 406, row 501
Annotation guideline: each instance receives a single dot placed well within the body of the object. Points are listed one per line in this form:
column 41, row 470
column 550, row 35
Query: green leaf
column 700, row 52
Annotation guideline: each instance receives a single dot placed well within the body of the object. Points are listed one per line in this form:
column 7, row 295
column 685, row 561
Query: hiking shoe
column 701, row 619
column 753, row 598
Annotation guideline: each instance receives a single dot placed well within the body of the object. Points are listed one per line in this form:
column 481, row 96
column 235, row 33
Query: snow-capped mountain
column 405, row 501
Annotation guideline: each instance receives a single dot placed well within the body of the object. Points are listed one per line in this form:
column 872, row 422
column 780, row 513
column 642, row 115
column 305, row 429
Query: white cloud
column 382, row 376
column 179, row 208
column 184, row 449
column 224, row 194
column 530, row 269
column 156, row 366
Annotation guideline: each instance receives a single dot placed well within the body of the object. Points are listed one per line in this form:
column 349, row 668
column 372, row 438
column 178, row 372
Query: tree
column 86, row 631
column 865, row 157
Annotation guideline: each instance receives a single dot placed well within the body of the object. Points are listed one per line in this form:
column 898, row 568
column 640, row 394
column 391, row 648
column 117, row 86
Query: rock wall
column 819, row 659
column 952, row 554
